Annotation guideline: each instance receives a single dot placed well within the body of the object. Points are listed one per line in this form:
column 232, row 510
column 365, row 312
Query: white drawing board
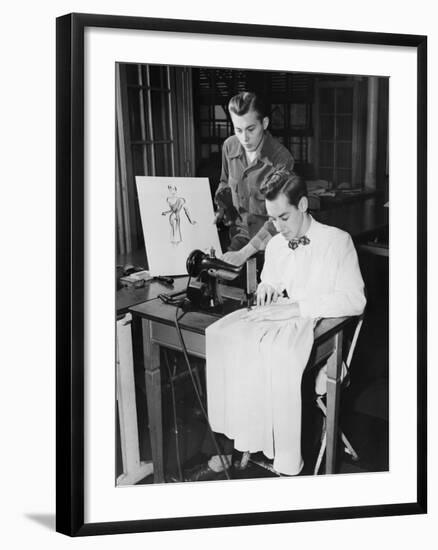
column 177, row 217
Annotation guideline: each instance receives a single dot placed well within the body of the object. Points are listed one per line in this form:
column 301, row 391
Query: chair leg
column 323, row 428
column 321, row 454
column 349, row 448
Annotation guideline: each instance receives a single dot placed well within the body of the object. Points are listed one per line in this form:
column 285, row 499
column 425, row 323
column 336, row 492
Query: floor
column 364, row 405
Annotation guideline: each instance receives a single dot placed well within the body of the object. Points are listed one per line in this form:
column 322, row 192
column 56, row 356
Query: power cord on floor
column 204, row 412
column 175, row 423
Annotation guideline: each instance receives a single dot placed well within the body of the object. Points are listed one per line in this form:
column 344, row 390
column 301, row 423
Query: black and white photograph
column 252, row 274
column 241, row 229
column 218, row 258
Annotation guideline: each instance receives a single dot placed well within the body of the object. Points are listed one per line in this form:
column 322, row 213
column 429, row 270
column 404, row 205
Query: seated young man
column 255, row 359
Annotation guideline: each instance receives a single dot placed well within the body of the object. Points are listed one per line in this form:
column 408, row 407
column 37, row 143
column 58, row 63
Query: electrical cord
column 189, row 367
column 172, row 390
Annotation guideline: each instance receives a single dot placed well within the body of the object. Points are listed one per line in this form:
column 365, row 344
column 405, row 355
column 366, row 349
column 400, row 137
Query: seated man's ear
column 265, row 122
column 303, row 204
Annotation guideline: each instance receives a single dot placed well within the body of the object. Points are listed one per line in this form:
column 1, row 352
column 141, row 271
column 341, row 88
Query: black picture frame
column 70, row 272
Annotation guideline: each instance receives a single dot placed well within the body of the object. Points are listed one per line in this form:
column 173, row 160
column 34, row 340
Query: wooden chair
column 321, row 405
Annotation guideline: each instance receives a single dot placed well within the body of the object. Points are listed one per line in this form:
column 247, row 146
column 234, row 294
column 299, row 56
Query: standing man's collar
column 266, row 151
column 263, row 153
column 236, row 149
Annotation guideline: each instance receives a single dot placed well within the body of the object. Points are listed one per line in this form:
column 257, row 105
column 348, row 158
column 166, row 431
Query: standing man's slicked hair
column 283, row 181
column 244, row 102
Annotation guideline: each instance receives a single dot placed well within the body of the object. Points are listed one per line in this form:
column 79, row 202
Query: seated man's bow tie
column 293, row 244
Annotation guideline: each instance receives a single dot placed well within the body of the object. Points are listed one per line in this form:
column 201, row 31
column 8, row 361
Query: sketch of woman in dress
column 175, row 205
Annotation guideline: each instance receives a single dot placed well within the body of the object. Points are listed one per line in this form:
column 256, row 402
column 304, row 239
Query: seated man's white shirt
column 323, row 276
column 254, row 369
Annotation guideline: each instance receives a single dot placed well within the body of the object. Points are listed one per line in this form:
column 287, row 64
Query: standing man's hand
column 239, row 257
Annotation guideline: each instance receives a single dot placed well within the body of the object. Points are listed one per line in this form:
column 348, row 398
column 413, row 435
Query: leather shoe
column 203, row 472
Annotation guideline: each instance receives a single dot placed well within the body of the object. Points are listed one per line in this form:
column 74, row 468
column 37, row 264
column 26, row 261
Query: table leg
column 334, row 370
column 133, row 469
column 151, row 356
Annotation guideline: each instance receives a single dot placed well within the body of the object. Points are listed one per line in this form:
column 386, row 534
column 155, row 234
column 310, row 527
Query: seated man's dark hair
column 244, row 102
column 282, row 180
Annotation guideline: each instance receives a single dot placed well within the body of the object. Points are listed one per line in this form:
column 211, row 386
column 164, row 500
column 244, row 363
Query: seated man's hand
column 239, row 257
column 266, row 294
column 276, row 312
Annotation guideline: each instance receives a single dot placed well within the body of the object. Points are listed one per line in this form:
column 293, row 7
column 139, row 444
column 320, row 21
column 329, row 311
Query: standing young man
column 247, row 159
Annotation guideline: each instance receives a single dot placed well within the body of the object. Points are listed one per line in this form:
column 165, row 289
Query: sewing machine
column 206, row 289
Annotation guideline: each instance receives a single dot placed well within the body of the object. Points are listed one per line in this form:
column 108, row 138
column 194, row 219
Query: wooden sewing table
column 159, row 329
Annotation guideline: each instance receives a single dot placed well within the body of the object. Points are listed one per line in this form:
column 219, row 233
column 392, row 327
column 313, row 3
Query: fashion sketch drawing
column 176, row 204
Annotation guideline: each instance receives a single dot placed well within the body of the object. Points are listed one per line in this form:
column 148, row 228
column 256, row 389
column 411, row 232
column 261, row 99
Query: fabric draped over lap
column 254, row 372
